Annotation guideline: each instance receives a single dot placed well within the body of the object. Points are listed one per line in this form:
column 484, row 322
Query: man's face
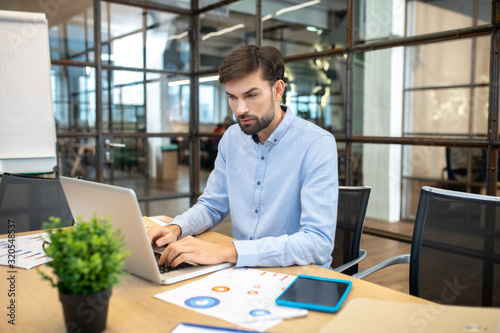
column 252, row 101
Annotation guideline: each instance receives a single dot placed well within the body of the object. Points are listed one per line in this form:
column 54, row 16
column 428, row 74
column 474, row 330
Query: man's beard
column 260, row 123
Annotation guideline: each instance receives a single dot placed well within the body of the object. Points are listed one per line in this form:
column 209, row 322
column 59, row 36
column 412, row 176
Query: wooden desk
column 134, row 309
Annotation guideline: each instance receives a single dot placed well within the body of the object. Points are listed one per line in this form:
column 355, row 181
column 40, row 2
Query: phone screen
column 317, row 294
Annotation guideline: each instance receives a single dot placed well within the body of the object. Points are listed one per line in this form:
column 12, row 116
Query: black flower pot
column 85, row 313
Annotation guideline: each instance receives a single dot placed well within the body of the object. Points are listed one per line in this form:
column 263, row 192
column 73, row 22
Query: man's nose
column 241, row 108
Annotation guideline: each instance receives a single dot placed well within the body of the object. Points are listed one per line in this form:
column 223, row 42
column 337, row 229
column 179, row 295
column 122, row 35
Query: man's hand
column 198, row 251
column 164, row 235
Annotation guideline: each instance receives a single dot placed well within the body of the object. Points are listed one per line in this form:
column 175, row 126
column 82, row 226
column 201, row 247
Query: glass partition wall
column 408, row 88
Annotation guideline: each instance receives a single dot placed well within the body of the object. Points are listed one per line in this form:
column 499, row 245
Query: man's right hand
column 164, row 235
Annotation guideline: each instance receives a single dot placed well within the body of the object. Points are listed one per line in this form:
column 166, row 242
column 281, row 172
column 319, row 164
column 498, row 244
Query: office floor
column 381, row 248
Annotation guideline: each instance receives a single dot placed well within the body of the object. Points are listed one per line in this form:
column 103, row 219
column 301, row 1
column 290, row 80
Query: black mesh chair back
column 455, row 255
column 29, row 201
column 352, row 205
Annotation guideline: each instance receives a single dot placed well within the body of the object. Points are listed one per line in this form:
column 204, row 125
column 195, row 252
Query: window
column 399, row 83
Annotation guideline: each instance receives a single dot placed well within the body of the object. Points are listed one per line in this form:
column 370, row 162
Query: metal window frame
column 491, row 142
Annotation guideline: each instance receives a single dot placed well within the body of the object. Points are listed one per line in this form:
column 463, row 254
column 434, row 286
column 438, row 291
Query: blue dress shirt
column 282, row 195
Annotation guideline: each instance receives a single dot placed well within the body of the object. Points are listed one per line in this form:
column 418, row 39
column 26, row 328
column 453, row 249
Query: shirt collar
column 283, row 126
column 281, row 129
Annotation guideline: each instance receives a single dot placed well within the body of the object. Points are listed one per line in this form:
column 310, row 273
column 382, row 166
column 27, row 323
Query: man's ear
column 278, row 90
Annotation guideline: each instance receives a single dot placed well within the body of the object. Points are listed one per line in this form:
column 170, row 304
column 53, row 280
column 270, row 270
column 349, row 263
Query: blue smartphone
column 315, row 293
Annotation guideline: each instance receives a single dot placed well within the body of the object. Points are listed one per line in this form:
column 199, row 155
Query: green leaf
column 87, row 257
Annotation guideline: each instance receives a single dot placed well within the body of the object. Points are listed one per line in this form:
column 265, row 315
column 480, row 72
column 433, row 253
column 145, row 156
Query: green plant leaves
column 87, row 257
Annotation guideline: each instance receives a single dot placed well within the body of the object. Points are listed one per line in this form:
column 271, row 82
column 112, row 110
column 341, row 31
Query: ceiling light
column 267, row 17
column 179, row 36
column 188, row 81
column 178, row 83
column 223, row 31
column 209, row 78
column 292, row 8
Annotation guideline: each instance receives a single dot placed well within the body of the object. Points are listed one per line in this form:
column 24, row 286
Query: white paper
column 243, row 296
column 193, row 328
column 23, row 251
column 161, row 223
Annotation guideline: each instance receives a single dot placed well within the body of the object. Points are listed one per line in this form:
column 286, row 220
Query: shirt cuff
column 179, row 228
column 185, row 231
column 247, row 253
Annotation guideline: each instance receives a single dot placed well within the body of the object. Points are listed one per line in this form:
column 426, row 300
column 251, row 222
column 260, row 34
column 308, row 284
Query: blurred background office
column 400, row 84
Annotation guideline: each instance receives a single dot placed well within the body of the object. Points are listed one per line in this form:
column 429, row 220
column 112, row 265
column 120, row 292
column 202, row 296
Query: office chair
column 30, row 201
column 456, row 168
column 455, row 249
column 352, row 205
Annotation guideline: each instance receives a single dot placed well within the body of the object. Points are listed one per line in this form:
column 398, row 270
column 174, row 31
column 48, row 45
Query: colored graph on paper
column 27, row 253
column 243, row 296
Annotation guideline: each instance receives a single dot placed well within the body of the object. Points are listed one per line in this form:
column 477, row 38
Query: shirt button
column 256, row 211
column 275, row 140
column 262, row 157
column 258, row 183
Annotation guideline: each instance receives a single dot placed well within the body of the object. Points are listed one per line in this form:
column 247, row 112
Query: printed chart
column 27, row 253
column 243, row 296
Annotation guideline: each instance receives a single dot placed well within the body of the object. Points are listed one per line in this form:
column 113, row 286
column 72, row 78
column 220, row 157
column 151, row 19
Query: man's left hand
column 198, row 251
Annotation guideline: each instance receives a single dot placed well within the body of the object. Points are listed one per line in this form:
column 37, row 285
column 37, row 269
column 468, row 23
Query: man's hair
column 249, row 59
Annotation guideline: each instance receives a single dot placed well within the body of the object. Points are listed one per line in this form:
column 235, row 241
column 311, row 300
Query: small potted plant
column 87, row 260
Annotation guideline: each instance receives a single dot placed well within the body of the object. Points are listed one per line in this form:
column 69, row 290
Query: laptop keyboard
column 165, row 268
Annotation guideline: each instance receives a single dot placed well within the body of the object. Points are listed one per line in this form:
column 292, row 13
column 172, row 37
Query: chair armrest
column 341, row 268
column 400, row 259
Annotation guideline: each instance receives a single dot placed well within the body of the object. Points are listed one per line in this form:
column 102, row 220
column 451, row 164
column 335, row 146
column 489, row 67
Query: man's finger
column 161, row 241
column 154, row 233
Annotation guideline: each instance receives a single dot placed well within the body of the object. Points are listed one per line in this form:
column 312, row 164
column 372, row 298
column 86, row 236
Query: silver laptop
column 86, row 198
